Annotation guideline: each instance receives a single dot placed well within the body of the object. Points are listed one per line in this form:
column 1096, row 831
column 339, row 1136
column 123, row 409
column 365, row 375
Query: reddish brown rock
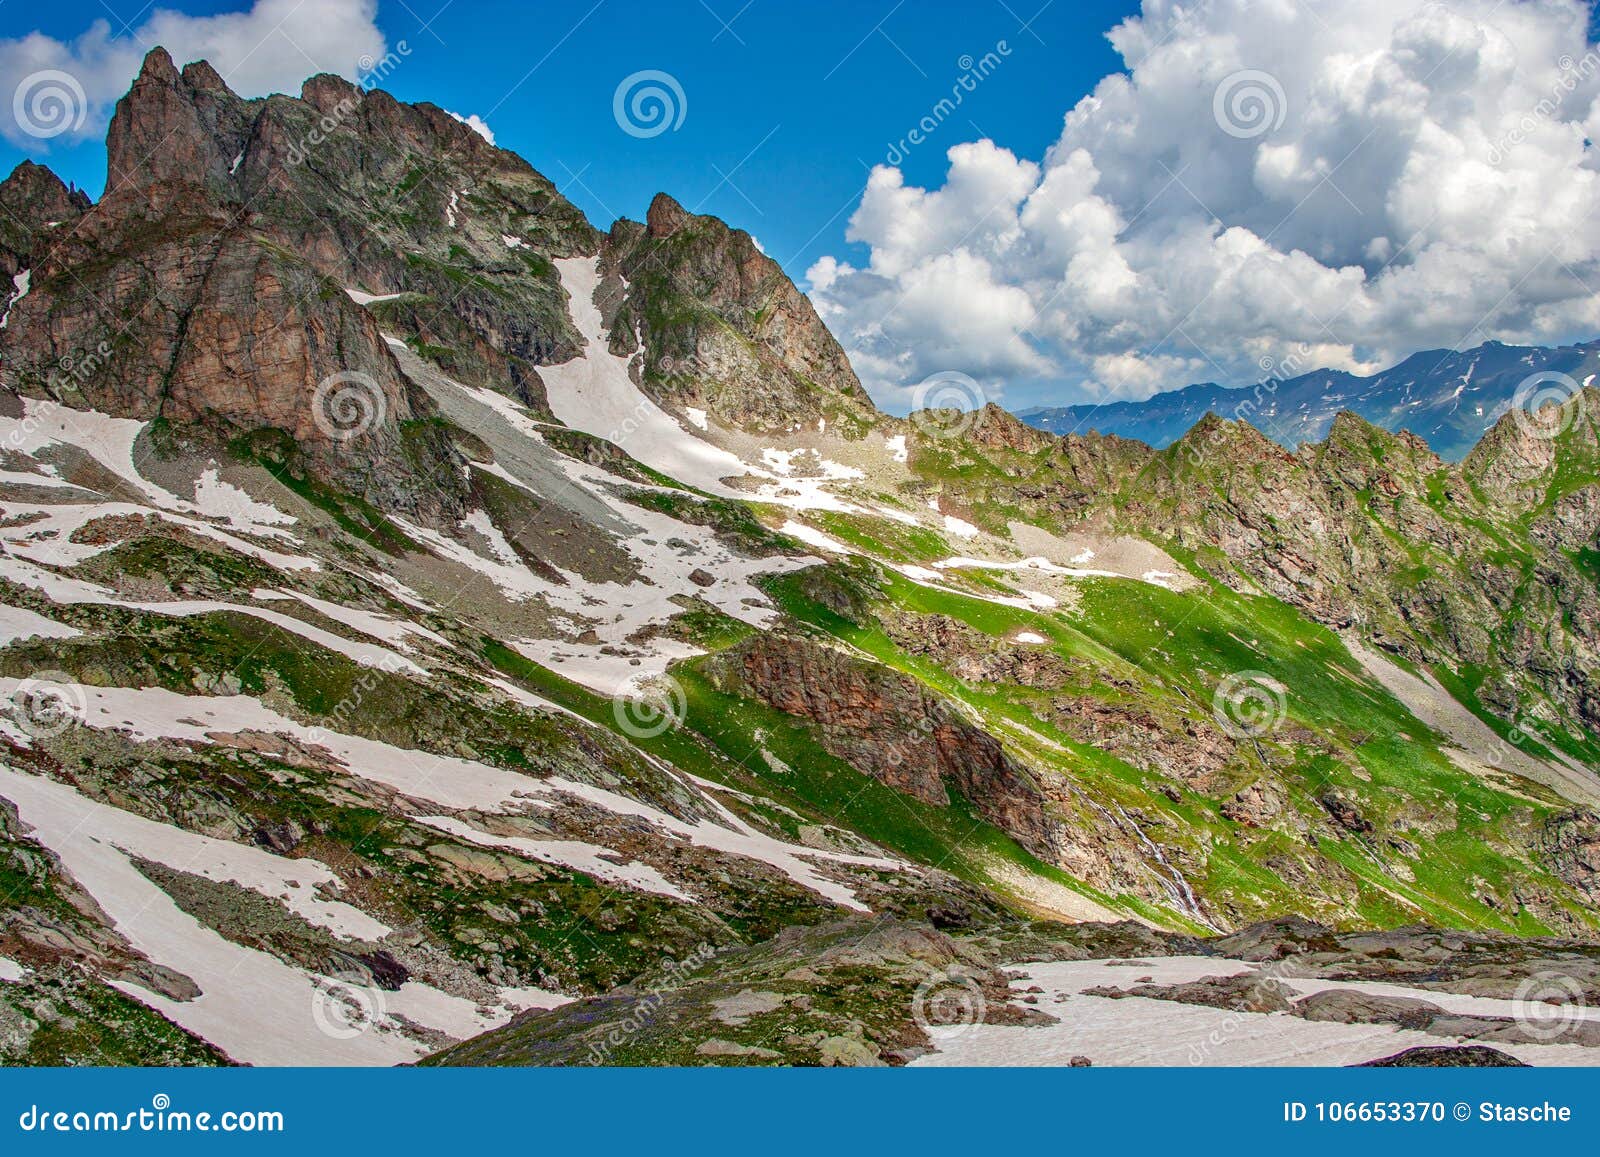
column 892, row 728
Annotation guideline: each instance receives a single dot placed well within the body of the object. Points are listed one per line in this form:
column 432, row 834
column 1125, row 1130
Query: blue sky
column 793, row 102
column 1243, row 188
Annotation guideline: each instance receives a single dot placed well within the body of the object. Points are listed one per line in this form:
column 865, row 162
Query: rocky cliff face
column 35, row 207
column 892, row 728
column 174, row 299
column 380, row 196
column 723, row 327
column 208, row 287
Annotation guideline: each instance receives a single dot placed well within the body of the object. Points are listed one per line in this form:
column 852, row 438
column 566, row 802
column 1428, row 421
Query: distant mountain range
column 1450, row 398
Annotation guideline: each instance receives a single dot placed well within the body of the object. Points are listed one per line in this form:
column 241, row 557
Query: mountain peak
column 724, row 327
column 666, row 216
column 158, row 135
column 158, row 67
column 35, row 205
column 34, row 190
column 200, row 76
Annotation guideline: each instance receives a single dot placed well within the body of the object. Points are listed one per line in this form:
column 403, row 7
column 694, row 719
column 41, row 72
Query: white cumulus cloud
column 63, row 91
column 1339, row 184
column 477, row 124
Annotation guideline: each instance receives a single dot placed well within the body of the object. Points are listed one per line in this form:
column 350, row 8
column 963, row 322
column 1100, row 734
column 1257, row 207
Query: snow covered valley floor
column 1139, row 1030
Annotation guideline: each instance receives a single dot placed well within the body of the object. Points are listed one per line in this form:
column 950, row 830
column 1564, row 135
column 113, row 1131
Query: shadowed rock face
column 892, row 728
column 1571, row 846
column 35, row 208
column 724, row 327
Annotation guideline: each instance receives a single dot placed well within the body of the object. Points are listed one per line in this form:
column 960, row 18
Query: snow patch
column 361, row 297
column 218, row 499
column 1141, row 1031
column 19, row 290
column 256, row 1008
column 480, row 522
column 18, row 623
column 589, row 859
column 73, row 591
column 813, row 537
column 594, row 393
